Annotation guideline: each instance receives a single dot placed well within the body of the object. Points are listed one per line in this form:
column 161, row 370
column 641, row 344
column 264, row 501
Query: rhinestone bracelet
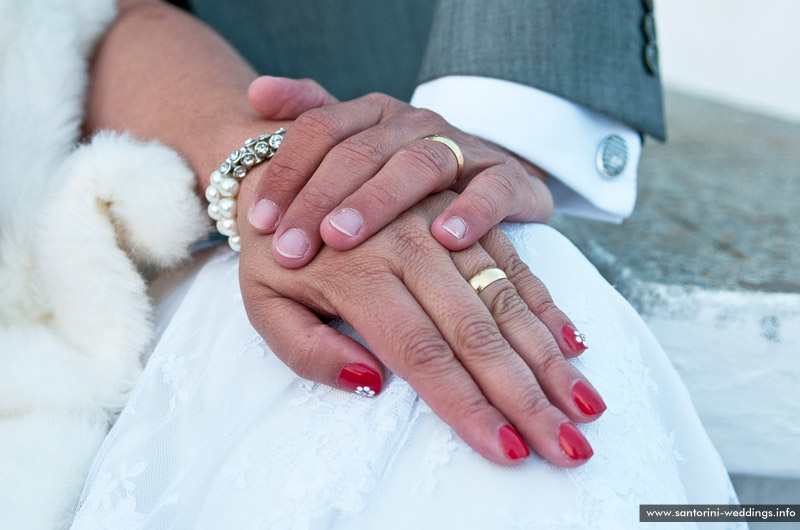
column 224, row 187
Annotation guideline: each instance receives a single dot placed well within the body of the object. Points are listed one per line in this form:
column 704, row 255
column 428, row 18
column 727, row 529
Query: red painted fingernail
column 573, row 443
column 513, row 445
column 574, row 339
column 361, row 379
column 587, row 398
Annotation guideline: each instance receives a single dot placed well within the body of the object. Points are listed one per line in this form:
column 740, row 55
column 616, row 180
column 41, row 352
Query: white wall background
column 743, row 52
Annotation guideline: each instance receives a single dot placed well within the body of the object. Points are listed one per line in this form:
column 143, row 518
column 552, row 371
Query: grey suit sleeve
column 598, row 53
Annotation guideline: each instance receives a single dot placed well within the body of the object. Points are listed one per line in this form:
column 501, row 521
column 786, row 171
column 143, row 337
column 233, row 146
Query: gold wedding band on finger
column 453, row 147
column 486, row 277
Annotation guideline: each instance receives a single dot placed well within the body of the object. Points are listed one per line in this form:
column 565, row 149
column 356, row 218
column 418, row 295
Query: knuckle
column 360, row 276
column 414, row 244
column 427, row 352
column 381, row 198
column 515, row 166
column 472, row 407
column 534, row 402
column 481, row 338
column 377, row 97
column 504, row 184
column 508, row 306
column 382, row 101
column 366, row 150
column 317, row 201
column 522, row 175
column 550, row 363
column 320, row 124
column 284, row 173
column 423, row 116
column 428, row 158
column 367, row 269
column 515, row 268
column 483, row 206
column 540, row 301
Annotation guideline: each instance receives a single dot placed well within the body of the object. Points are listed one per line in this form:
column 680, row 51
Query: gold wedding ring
column 486, row 277
column 453, row 147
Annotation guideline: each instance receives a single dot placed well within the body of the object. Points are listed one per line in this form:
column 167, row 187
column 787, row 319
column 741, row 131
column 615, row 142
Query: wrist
column 206, row 156
column 226, row 181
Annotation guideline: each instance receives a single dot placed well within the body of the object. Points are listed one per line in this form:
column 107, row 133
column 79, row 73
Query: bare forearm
column 162, row 74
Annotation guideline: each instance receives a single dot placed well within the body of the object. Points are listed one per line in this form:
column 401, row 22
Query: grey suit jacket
column 598, row 53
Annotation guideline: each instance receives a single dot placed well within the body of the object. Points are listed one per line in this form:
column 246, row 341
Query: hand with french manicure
column 347, row 169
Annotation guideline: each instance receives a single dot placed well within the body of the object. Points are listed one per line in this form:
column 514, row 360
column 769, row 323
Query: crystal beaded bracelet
column 224, row 187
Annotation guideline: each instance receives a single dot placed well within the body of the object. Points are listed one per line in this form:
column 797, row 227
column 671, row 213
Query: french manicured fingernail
column 587, row 398
column 513, row 445
column 293, row 243
column 263, row 215
column 574, row 339
column 360, row 379
column 456, row 226
column 573, row 443
column 347, row 221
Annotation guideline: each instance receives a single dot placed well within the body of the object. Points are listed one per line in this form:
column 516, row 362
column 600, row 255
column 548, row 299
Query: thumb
column 283, row 98
column 310, row 348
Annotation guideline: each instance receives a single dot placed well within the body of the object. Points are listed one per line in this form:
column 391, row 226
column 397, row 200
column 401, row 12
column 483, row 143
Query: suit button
column 612, row 156
column 649, row 27
column 651, row 57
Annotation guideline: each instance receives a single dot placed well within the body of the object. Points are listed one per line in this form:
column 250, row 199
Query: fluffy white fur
column 77, row 224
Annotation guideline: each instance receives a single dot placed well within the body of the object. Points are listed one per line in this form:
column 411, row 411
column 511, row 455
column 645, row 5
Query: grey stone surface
column 710, row 260
column 767, row 490
column 717, row 207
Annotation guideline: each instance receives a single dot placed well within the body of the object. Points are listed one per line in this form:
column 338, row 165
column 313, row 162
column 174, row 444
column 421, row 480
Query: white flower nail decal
column 365, row 391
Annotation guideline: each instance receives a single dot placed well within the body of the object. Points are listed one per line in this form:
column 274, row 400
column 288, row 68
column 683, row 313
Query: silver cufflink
column 612, row 156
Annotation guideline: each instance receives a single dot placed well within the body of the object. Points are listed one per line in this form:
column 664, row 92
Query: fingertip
column 342, row 229
column 257, row 84
column 513, row 446
column 574, row 342
column 574, row 445
column 292, row 248
column 258, row 94
column 456, row 227
column 281, row 98
column 452, row 232
column 361, row 379
column 263, row 216
column 346, row 221
column 588, row 400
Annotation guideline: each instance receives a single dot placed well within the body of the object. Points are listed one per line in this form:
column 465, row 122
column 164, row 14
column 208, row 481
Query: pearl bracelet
column 221, row 193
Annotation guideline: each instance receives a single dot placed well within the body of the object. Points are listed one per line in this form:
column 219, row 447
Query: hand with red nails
column 345, row 170
column 492, row 365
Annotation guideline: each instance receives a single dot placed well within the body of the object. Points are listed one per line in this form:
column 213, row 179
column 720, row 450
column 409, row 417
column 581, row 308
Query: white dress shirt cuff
column 561, row 137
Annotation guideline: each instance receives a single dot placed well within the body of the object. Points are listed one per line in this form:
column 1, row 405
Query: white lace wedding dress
column 220, row 434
